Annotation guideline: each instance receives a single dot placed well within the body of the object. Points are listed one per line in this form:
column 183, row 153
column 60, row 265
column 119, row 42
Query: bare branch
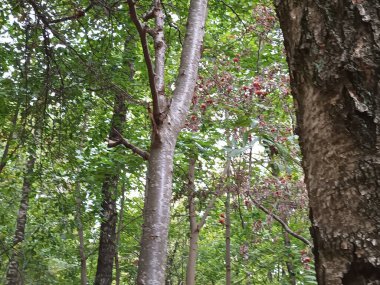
column 144, row 154
column 283, row 224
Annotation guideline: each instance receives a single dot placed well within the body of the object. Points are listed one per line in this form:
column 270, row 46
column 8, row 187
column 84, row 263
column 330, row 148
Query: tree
column 333, row 55
column 195, row 226
column 167, row 120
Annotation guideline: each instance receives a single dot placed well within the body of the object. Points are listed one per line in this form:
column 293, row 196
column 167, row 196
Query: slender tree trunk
column 82, row 250
column 249, row 273
column 166, row 126
column 78, row 217
column 333, row 50
column 118, row 233
column 228, row 238
column 14, row 276
column 192, row 259
column 195, row 227
column 194, row 230
column 107, row 241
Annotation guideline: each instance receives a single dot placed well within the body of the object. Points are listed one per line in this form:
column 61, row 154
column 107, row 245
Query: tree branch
column 159, row 60
column 236, row 14
column 77, row 15
column 210, row 205
column 150, row 14
column 283, row 224
column 46, row 22
column 172, row 25
column 144, row 154
column 188, row 70
column 142, row 30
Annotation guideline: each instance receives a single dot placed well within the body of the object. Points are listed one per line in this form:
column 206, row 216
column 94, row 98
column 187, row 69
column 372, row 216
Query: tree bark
column 107, row 241
column 166, row 127
column 333, row 52
column 13, row 275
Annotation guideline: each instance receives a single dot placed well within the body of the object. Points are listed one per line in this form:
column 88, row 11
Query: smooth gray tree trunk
column 167, row 124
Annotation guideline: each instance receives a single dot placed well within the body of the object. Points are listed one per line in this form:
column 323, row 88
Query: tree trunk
column 166, row 127
column 107, row 242
column 192, row 259
column 228, row 238
column 13, row 276
column 194, row 230
column 82, row 250
column 333, row 52
column 195, row 227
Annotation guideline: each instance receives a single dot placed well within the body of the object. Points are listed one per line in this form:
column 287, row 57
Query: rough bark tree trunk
column 107, row 241
column 167, row 121
column 333, row 52
column 13, row 275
